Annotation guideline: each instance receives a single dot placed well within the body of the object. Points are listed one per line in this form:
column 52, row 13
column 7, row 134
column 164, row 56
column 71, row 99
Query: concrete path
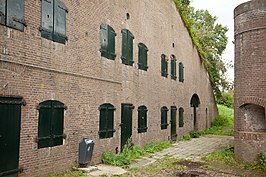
column 193, row 150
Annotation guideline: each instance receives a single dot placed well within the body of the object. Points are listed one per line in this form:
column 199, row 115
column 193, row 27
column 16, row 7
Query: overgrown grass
column 130, row 153
column 222, row 125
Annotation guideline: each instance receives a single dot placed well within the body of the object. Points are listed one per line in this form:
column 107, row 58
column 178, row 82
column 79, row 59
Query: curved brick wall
column 250, row 79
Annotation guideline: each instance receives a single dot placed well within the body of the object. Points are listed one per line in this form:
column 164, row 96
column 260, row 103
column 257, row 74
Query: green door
column 173, row 123
column 10, row 113
column 126, row 123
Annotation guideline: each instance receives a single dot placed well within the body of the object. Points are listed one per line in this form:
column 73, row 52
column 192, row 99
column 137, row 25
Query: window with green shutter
column 53, row 24
column 142, row 119
column 107, row 41
column 127, row 47
column 164, row 66
column 181, row 72
column 106, row 120
column 173, row 67
column 143, row 57
column 181, row 117
column 12, row 14
column 164, row 123
column 51, row 123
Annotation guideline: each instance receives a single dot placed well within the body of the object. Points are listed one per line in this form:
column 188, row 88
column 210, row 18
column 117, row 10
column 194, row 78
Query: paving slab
column 194, row 150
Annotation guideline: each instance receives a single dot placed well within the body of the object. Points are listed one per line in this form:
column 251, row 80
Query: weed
column 186, row 137
column 130, row 153
column 195, row 134
column 262, row 161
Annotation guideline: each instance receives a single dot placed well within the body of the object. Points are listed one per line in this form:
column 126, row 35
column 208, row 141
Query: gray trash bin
column 85, row 150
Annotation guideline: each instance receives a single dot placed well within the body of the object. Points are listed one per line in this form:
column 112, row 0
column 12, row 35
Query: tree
column 210, row 39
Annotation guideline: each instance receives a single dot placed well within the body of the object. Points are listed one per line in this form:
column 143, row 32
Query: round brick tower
column 250, row 79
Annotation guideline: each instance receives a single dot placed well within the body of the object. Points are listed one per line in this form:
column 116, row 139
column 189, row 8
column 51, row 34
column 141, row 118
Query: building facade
column 105, row 70
column 250, row 80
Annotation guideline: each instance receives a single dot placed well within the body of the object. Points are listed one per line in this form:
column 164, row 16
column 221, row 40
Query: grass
column 130, row 153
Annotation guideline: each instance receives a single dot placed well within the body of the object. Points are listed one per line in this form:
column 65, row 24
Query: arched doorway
column 194, row 102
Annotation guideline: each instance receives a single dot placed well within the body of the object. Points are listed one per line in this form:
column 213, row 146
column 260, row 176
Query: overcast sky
column 224, row 10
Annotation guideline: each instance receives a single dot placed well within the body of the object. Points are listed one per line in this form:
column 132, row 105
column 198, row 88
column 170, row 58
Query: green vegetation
column 222, row 124
column 130, row 153
column 186, row 137
column 227, row 99
column 262, row 161
column 164, row 167
column 74, row 172
column 210, row 39
column 225, row 155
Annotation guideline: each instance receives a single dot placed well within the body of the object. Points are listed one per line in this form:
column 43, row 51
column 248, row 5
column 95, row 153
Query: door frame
column 14, row 101
column 125, row 125
column 173, row 134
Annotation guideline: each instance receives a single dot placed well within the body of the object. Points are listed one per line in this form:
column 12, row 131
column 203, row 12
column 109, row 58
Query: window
column 107, row 41
column 106, row 120
column 181, row 72
column 127, row 47
column 53, row 25
column 181, row 117
column 12, row 14
column 164, row 123
column 142, row 119
column 173, row 67
column 51, row 123
column 164, row 65
column 143, row 65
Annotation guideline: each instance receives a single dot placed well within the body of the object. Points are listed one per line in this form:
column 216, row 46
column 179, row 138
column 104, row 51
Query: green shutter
column 47, row 26
column 124, row 56
column 164, row 123
column 103, row 121
column 164, row 66
column 3, row 12
column 106, row 120
column 127, row 47
column 142, row 63
column 181, row 72
column 173, row 67
column 181, row 117
column 142, row 119
column 15, row 14
column 51, row 123
column 130, row 48
column 111, row 43
column 104, row 40
column 44, row 124
column 60, row 11
column 57, row 122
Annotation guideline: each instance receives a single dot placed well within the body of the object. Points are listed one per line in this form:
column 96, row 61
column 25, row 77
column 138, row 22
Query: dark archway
column 194, row 102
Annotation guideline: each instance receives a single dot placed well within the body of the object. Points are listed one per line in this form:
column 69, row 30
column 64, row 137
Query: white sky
column 224, row 10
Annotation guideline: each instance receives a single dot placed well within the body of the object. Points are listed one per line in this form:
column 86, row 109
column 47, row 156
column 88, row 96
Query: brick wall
column 250, row 79
column 77, row 75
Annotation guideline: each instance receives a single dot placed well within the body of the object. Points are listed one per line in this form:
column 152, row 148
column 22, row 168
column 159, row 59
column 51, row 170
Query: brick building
column 99, row 69
column 250, row 79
